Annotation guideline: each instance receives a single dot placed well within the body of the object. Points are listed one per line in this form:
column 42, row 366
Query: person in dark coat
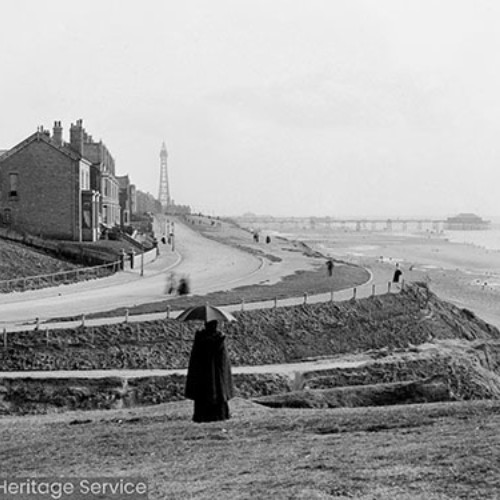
column 183, row 288
column 397, row 275
column 329, row 267
column 209, row 382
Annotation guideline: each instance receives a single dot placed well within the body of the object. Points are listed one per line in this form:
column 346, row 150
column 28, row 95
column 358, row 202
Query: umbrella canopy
column 205, row 313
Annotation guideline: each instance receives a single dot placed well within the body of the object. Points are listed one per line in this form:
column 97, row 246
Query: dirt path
column 292, row 370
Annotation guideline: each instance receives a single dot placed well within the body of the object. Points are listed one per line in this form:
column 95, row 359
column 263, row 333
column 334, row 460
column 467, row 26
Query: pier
column 347, row 224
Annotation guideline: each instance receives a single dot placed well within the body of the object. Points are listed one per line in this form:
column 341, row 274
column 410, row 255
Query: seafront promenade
column 210, row 265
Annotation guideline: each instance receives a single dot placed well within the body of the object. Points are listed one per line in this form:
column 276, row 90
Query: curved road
column 209, row 265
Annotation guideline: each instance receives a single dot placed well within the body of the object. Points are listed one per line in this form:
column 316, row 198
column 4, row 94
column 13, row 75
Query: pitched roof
column 40, row 136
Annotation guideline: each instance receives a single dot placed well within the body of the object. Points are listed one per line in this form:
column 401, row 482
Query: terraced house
column 57, row 189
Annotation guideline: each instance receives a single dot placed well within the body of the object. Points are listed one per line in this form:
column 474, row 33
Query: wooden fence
column 62, row 277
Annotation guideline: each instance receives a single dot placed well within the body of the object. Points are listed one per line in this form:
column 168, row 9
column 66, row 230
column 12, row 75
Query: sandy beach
column 467, row 275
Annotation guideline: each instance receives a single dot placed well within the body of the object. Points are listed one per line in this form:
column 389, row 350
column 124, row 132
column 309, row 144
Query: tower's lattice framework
column 164, row 194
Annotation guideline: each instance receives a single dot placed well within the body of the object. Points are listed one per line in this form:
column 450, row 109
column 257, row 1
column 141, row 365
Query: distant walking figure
column 329, row 267
column 171, row 284
column 397, row 275
column 183, row 288
column 209, row 382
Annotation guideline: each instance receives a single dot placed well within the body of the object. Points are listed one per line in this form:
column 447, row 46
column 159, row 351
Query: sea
column 489, row 239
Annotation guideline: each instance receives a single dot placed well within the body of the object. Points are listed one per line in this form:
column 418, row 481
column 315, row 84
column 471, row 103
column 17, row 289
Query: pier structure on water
column 347, row 224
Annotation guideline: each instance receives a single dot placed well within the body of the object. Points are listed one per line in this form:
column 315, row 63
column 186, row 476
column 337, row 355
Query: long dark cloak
column 209, row 373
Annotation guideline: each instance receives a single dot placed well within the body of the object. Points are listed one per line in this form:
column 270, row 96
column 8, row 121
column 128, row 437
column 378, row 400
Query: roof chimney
column 57, row 132
column 76, row 137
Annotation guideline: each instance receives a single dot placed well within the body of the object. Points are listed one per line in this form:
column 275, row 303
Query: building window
column 13, row 185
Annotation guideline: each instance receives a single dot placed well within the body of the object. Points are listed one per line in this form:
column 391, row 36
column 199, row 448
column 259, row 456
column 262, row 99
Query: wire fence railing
column 349, row 294
column 60, row 278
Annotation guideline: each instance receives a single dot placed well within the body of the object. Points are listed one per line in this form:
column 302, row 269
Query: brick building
column 56, row 189
column 104, row 178
column 127, row 198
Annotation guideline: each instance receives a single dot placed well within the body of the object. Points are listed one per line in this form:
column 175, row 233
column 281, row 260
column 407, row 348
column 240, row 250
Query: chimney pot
column 57, row 133
column 76, row 137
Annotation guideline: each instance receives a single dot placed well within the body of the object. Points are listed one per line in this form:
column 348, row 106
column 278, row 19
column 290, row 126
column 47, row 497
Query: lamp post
column 142, row 259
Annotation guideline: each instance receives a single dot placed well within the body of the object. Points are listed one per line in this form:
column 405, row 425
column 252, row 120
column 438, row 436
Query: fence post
column 389, row 287
column 305, row 297
column 126, row 315
column 5, row 338
column 83, row 320
column 402, row 285
column 242, row 304
column 275, row 302
column 37, row 325
column 354, row 293
column 168, row 312
column 373, row 290
column 331, row 296
column 46, row 336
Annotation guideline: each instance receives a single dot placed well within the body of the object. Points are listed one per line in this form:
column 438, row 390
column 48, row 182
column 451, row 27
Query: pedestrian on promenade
column 397, row 274
column 131, row 255
column 209, row 381
column 329, row 267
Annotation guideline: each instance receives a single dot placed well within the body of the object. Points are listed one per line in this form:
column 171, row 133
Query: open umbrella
column 205, row 313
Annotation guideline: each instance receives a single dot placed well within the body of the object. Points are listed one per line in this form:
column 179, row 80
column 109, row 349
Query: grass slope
column 281, row 335
column 425, row 452
column 20, row 261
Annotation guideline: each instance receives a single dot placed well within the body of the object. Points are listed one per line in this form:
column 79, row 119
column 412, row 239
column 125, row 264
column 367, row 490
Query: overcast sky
column 282, row 107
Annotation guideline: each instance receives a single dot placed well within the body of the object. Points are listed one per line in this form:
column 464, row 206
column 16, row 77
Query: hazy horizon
column 286, row 107
column 493, row 218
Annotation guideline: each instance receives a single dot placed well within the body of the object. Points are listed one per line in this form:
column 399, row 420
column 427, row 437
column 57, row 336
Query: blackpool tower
column 164, row 194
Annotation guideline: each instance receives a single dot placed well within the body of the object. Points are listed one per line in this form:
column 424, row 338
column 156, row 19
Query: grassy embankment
column 418, row 452
column 20, row 261
column 34, row 268
column 281, row 335
column 381, row 334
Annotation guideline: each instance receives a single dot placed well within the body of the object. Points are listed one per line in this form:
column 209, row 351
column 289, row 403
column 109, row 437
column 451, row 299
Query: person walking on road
column 209, row 381
column 171, row 287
